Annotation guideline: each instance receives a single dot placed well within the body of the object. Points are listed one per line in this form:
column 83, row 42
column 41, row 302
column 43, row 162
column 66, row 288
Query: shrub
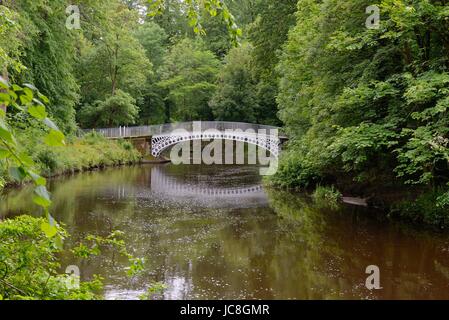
column 430, row 208
column 28, row 264
column 326, row 197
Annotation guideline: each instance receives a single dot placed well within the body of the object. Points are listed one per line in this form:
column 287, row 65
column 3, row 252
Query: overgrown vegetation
column 429, row 208
column 326, row 197
column 91, row 151
column 29, row 268
column 368, row 104
column 81, row 154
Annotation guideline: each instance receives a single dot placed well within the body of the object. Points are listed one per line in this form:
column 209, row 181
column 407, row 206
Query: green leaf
column 38, row 179
column 59, row 242
column 38, row 102
column 43, row 98
column 49, row 230
column 30, row 86
column 41, row 197
column 24, row 99
column 4, row 98
column 17, row 173
column 25, row 159
column 50, row 124
column 38, row 112
column 5, row 133
column 55, row 138
column 28, row 93
column 4, row 153
column 13, row 94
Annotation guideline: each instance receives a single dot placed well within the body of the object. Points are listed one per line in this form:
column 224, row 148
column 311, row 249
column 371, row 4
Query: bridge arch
column 162, row 142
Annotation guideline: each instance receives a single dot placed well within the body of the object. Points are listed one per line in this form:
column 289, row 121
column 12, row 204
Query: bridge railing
column 152, row 130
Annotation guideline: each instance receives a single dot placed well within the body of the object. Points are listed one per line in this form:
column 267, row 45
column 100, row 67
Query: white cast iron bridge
column 165, row 136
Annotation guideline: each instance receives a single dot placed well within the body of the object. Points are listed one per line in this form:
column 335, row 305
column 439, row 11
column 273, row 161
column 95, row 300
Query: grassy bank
column 79, row 154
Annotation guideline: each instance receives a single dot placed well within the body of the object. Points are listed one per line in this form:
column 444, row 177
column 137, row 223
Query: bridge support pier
column 143, row 145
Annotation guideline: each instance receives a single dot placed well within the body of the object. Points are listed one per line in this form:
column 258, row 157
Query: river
column 213, row 232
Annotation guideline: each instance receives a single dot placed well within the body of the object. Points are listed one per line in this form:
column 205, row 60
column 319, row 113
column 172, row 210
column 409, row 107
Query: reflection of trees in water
column 337, row 246
column 290, row 249
column 74, row 195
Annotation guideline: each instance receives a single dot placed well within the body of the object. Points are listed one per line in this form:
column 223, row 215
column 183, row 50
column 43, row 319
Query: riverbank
column 88, row 153
column 416, row 205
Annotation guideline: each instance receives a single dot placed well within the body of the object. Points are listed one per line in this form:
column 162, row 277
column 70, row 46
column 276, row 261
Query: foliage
column 117, row 110
column 95, row 245
column 10, row 45
column 366, row 103
column 430, row 208
column 235, row 98
column 267, row 36
column 326, row 197
column 112, row 59
column 29, row 265
column 189, row 73
column 82, row 154
column 19, row 164
column 154, row 40
column 29, row 262
column 43, row 54
column 194, row 9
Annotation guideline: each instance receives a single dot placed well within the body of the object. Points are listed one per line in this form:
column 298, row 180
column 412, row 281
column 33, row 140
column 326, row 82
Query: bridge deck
column 154, row 130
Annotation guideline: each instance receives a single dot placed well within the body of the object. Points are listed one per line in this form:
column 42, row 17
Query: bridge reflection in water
column 165, row 184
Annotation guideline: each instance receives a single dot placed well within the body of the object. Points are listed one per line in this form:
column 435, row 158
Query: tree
column 155, row 42
column 267, row 35
column 117, row 110
column 189, row 74
column 193, row 9
column 367, row 103
column 235, row 98
column 216, row 36
column 113, row 59
column 47, row 52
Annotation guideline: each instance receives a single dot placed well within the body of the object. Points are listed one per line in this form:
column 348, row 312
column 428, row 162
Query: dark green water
column 212, row 232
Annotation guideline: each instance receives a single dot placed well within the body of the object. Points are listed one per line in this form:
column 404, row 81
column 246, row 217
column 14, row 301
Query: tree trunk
column 115, row 71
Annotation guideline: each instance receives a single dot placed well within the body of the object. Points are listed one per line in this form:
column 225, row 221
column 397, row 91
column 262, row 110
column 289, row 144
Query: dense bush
column 29, row 265
column 367, row 106
column 326, row 197
column 431, row 208
column 115, row 110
